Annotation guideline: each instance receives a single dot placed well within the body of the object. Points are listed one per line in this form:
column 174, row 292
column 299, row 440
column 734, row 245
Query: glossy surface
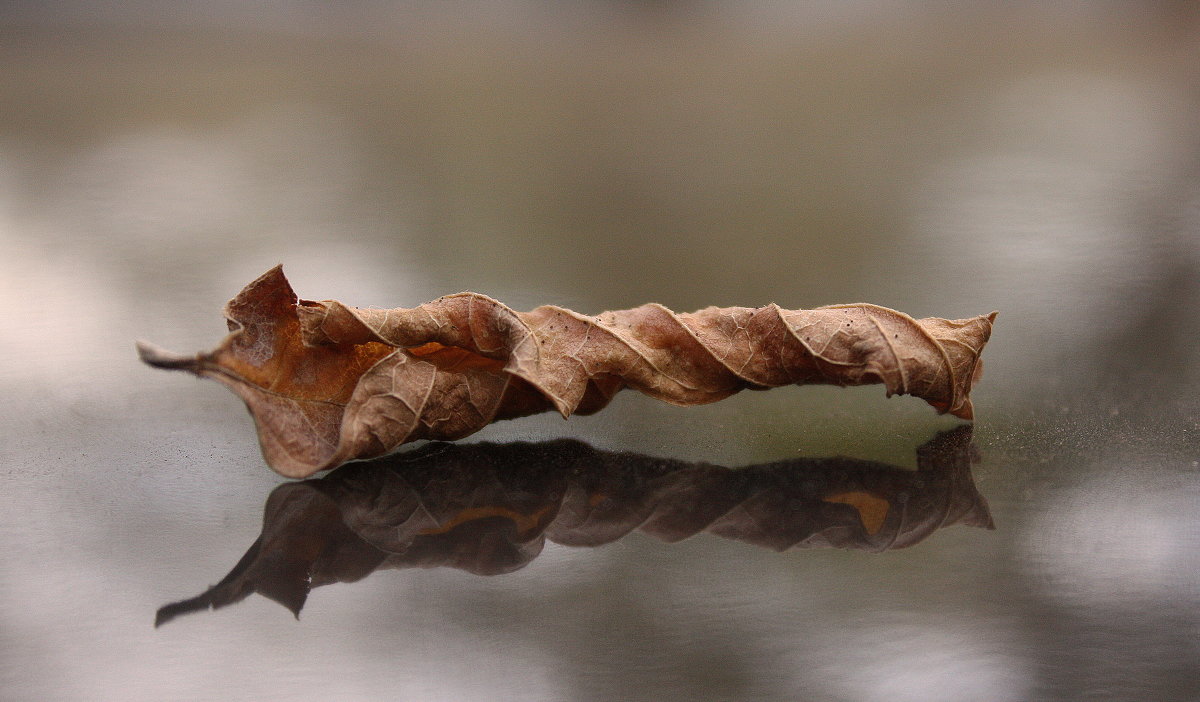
column 489, row 509
column 1040, row 163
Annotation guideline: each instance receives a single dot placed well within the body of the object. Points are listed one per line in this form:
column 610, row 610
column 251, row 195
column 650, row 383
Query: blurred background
column 1039, row 159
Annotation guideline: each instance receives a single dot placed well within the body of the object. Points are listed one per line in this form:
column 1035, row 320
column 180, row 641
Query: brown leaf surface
column 490, row 508
column 327, row 383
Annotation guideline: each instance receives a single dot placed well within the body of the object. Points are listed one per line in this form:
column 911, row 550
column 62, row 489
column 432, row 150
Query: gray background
column 599, row 155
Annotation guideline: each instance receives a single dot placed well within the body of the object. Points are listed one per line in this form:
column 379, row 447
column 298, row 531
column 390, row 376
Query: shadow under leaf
column 489, row 509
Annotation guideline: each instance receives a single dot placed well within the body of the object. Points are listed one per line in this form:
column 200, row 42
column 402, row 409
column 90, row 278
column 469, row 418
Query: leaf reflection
column 489, row 509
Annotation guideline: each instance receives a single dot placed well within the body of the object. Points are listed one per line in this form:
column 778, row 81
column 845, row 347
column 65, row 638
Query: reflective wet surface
column 1037, row 162
column 488, row 509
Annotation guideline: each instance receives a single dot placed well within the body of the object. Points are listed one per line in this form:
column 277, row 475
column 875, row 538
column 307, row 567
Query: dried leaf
column 327, row 383
column 489, row 509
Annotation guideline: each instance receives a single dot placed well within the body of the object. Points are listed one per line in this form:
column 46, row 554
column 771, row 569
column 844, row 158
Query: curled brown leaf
column 327, row 383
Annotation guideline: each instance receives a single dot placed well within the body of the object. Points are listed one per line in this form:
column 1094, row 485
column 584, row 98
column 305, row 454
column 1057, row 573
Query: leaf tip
column 271, row 290
column 162, row 617
column 170, row 611
column 159, row 357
